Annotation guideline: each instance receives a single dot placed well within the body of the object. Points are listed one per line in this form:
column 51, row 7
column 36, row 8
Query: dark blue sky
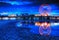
column 25, row 6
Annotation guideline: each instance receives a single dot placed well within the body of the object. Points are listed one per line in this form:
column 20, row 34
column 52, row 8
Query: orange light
column 42, row 24
column 44, row 14
column 37, row 23
column 37, row 14
column 45, row 24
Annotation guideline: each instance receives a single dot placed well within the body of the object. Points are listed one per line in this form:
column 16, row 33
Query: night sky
column 25, row 6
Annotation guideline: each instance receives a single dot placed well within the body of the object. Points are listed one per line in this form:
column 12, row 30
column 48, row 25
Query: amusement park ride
column 42, row 20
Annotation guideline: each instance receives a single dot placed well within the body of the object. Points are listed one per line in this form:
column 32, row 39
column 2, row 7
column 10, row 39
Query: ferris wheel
column 45, row 8
column 44, row 28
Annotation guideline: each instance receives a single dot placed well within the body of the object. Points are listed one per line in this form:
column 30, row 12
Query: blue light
column 14, row 3
column 17, row 3
column 18, row 24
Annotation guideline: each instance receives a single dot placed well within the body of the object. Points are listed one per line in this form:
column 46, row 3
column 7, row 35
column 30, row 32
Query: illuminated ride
column 44, row 28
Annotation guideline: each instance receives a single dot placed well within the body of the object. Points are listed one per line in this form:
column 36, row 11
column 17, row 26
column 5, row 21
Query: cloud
column 14, row 3
column 4, row 4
